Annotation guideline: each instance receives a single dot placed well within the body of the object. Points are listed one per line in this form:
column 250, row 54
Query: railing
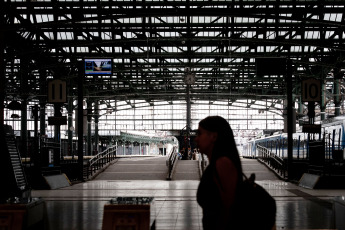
column 99, row 161
column 276, row 163
column 171, row 162
column 203, row 162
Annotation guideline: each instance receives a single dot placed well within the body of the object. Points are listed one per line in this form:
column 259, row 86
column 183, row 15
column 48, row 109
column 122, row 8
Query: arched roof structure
column 154, row 44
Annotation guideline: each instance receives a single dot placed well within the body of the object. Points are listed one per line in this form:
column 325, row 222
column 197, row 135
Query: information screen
column 98, row 66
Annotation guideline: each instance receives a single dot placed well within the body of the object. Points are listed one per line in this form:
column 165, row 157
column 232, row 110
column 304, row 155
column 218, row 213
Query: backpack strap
column 251, row 179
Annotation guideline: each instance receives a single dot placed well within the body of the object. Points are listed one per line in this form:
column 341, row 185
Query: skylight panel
column 65, row 35
column 202, row 34
column 82, row 49
column 333, row 17
column 228, row 60
column 106, row 21
column 238, row 19
column 209, row 19
column 129, row 35
column 106, row 48
column 137, row 20
column 47, row 18
column 249, row 34
column 49, row 35
column 312, row 34
column 313, row 16
column 106, row 36
column 328, row 34
column 39, row 18
column 295, row 48
column 170, row 19
column 242, row 49
column 271, row 35
column 260, row 49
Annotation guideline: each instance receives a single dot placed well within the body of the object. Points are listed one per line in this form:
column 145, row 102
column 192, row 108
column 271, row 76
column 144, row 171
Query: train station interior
column 101, row 102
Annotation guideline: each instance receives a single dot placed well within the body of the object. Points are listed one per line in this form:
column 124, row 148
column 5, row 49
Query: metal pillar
column 35, row 152
column 289, row 116
column 2, row 68
column 70, row 126
column 80, row 121
column 57, row 135
column 323, row 106
column 337, row 101
column 96, row 136
column 188, row 109
column 188, row 126
column 89, row 139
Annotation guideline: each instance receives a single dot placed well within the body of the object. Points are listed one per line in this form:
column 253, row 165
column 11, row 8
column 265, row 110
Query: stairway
column 16, row 162
column 136, row 168
column 186, row 170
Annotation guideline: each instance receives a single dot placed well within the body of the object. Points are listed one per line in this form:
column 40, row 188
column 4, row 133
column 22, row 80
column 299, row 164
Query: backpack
column 256, row 208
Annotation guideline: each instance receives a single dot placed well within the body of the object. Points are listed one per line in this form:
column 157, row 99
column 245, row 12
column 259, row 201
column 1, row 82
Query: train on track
column 332, row 136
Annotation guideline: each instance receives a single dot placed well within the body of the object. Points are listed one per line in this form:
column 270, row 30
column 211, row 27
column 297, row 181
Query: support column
column 35, row 152
column 188, row 108
column 89, row 138
column 187, row 141
column 24, row 93
column 2, row 69
column 42, row 102
column 323, row 106
column 300, row 107
column 70, row 125
column 289, row 116
column 57, row 135
column 337, row 101
column 96, row 117
column 24, row 128
column 132, row 150
column 80, row 120
column 42, row 118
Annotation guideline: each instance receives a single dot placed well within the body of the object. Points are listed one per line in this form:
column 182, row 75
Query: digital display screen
column 98, row 66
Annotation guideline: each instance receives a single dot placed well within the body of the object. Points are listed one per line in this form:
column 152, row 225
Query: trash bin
column 339, row 212
column 317, row 153
column 23, row 215
column 338, row 155
column 134, row 213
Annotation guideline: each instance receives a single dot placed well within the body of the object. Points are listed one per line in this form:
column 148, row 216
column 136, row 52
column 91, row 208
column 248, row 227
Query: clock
column 189, row 79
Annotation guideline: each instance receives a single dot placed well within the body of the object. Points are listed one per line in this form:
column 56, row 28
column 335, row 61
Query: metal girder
column 152, row 42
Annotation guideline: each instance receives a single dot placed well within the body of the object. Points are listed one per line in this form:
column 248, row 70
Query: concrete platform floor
column 81, row 206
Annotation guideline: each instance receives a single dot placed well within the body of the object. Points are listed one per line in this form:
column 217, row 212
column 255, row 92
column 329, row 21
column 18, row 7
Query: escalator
column 18, row 170
column 12, row 174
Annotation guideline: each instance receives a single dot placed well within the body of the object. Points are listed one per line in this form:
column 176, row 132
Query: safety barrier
column 203, row 162
column 100, row 160
column 276, row 163
column 171, row 162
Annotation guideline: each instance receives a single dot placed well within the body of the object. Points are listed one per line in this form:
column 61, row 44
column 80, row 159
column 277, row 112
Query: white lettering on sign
column 311, row 90
column 57, row 92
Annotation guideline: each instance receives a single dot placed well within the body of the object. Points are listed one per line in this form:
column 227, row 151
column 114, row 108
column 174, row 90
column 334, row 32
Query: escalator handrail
column 171, row 162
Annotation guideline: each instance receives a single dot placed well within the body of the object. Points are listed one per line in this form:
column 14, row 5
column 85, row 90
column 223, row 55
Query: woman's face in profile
column 205, row 140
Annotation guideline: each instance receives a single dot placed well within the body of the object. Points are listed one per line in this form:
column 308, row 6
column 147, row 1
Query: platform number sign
column 57, row 91
column 311, row 90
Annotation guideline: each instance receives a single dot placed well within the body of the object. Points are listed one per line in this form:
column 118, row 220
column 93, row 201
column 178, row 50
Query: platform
column 81, row 206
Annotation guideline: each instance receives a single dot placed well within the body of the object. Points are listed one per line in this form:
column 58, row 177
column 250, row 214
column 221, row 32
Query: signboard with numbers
column 311, row 90
column 57, row 92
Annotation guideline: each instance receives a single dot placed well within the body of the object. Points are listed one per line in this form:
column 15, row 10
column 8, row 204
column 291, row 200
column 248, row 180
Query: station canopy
column 153, row 45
